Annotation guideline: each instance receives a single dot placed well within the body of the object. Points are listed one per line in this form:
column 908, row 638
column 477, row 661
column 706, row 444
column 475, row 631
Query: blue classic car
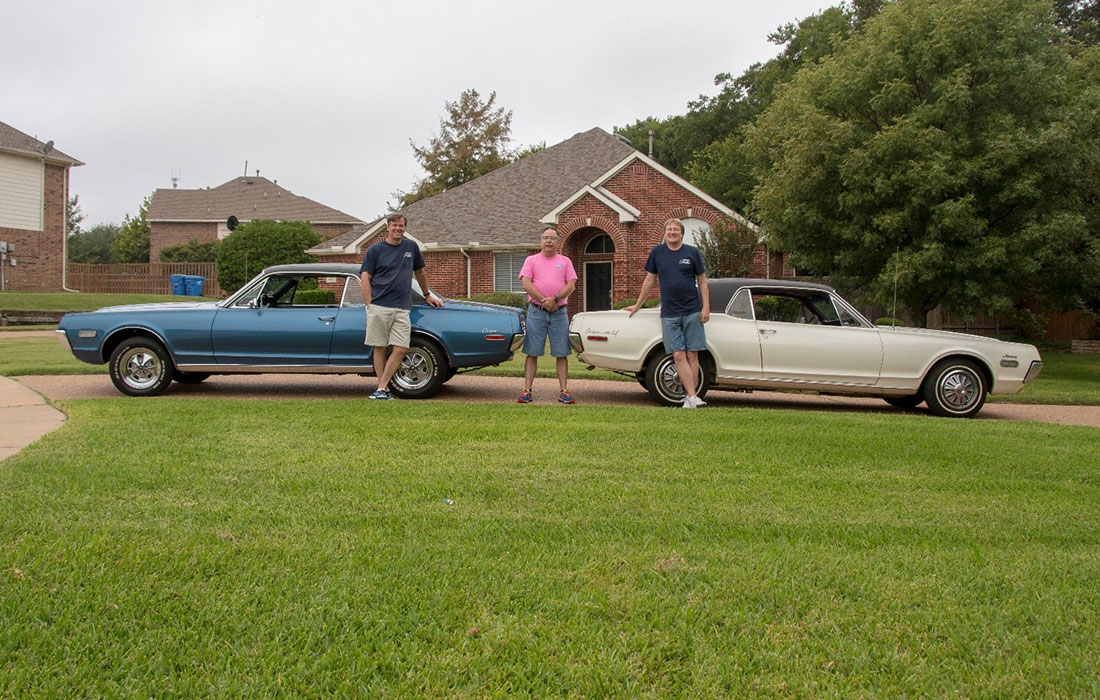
column 291, row 319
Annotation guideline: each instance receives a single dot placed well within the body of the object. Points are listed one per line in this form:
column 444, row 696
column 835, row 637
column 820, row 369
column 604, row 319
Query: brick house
column 177, row 216
column 34, row 200
column 608, row 201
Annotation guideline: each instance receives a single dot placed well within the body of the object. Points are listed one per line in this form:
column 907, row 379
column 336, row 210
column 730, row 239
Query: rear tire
column 422, row 372
column 955, row 388
column 663, row 382
column 140, row 366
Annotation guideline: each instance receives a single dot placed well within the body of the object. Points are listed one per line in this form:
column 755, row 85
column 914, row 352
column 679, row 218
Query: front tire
column 140, row 366
column 422, row 372
column 911, row 401
column 955, row 388
column 663, row 382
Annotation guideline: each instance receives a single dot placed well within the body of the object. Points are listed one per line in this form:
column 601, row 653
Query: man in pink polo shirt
column 549, row 279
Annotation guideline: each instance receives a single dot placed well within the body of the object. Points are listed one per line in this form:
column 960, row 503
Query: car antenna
column 894, row 311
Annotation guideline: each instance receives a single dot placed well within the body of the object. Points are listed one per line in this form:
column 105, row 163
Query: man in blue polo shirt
column 685, row 303
column 386, row 275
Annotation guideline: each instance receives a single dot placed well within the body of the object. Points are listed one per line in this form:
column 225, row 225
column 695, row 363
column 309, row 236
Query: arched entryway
column 592, row 251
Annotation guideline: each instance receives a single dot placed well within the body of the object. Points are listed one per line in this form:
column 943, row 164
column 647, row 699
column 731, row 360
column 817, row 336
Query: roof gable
column 245, row 197
column 14, row 141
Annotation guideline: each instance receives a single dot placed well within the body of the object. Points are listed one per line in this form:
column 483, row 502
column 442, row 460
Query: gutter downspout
column 468, row 269
column 65, row 233
column 767, row 262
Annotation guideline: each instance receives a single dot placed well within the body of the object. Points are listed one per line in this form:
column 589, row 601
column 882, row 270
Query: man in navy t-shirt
column 685, row 303
column 386, row 274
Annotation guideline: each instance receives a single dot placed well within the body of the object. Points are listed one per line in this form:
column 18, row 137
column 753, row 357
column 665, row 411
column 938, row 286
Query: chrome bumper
column 63, row 340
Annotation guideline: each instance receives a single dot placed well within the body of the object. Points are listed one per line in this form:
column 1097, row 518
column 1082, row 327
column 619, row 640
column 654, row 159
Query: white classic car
column 783, row 335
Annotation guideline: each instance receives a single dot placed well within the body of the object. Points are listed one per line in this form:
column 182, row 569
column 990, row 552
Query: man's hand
column 704, row 315
column 631, row 310
column 435, row 301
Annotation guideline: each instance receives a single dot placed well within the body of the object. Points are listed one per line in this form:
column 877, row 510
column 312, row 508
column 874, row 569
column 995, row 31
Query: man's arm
column 364, row 282
column 647, row 287
column 704, row 292
column 422, row 278
column 565, row 291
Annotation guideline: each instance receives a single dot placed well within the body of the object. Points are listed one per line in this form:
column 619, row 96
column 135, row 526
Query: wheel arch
column 428, row 335
column 117, row 336
column 983, row 366
column 706, row 359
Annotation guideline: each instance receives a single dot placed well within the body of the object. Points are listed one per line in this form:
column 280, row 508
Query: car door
column 803, row 339
column 267, row 328
column 350, row 329
column 733, row 341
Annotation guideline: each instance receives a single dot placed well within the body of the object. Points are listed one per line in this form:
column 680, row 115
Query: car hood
column 159, row 306
column 932, row 332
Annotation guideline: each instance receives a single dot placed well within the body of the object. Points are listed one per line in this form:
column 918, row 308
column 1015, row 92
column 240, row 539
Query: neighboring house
column 178, row 216
column 608, row 201
column 34, row 199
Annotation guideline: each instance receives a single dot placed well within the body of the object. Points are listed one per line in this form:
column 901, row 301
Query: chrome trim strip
column 278, row 369
column 1033, row 371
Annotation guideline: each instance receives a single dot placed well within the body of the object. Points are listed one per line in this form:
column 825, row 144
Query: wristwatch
column 427, row 293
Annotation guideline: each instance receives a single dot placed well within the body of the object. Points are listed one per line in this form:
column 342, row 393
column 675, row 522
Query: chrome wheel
column 663, row 381
column 140, row 367
column 422, row 372
column 955, row 388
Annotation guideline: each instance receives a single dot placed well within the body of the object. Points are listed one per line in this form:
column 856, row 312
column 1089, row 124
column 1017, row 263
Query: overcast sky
column 324, row 96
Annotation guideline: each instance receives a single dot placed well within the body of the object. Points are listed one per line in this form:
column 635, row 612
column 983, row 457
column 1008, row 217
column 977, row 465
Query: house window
column 694, row 229
column 506, row 267
column 600, row 245
column 22, row 188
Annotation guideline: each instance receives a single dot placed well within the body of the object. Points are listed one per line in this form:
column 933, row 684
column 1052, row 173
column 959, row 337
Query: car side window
column 822, row 304
column 741, row 305
column 353, row 293
column 780, row 308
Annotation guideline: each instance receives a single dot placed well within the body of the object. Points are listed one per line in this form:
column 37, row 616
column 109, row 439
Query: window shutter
column 506, row 267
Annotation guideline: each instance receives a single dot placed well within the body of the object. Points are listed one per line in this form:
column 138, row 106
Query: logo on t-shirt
column 408, row 255
column 559, row 266
column 685, row 261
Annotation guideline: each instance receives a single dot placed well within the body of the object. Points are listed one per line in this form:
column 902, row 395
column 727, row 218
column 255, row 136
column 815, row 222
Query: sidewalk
column 25, row 417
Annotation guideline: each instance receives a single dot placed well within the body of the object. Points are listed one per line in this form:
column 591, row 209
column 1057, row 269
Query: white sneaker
column 693, row 402
column 688, row 403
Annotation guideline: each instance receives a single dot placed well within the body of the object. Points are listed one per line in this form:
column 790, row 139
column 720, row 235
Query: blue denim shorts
column 683, row 333
column 541, row 323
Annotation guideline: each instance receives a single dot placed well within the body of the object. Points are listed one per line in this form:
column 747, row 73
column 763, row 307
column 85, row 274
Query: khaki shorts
column 388, row 326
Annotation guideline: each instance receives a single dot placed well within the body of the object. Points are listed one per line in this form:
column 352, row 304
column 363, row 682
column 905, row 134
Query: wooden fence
column 139, row 278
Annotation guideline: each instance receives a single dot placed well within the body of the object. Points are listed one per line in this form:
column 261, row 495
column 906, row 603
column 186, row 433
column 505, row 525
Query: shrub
column 314, row 296
column 259, row 244
column 887, row 321
column 503, row 299
column 623, row 303
column 191, row 251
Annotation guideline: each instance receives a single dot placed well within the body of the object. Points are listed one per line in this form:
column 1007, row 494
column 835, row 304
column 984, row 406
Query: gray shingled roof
column 504, row 206
column 13, row 140
column 245, row 197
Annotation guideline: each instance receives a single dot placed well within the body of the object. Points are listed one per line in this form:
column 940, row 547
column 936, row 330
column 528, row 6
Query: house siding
column 40, row 253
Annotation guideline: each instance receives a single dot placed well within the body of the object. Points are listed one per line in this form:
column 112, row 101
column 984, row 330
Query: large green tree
column 944, row 137
column 132, row 242
column 95, row 245
column 260, row 243
column 472, row 141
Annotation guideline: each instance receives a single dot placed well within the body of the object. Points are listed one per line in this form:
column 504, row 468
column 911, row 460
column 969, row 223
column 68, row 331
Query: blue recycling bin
column 178, row 286
column 192, row 285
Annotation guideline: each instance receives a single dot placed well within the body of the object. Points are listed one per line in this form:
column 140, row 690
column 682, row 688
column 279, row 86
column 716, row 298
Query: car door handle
column 326, row 319
column 767, row 331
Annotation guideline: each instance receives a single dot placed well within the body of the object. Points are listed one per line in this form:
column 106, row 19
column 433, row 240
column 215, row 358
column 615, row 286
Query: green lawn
column 69, row 301
column 347, row 549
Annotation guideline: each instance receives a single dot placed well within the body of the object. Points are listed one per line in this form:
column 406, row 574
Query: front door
column 597, row 286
